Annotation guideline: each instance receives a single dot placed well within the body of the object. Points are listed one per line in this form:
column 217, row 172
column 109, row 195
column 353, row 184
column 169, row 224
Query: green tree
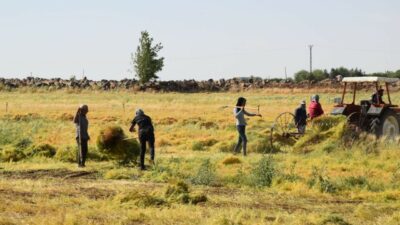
column 319, row 75
column 301, row 75
column 145, row 61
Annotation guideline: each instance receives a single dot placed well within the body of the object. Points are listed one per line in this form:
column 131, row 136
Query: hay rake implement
column 285, row 126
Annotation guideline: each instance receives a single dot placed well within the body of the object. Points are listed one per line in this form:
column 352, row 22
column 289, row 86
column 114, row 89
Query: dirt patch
column 96, row 193
column 56, row 173
column 257, row 205
column 91, row 193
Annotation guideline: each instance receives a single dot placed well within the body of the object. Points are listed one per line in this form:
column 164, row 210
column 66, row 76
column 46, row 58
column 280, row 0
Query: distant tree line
column 318, row 75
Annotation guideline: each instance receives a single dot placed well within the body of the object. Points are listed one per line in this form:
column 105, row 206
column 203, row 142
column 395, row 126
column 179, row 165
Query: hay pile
column 179, row 192
column 325, row 133
column 113, row 143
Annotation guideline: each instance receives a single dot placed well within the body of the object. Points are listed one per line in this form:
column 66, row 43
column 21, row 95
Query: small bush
column 112, row 143
column 264, row 172
column 41, row 150
column 205, row 174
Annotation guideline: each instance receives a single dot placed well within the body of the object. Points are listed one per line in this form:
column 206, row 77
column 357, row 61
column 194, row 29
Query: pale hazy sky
column 202, row 39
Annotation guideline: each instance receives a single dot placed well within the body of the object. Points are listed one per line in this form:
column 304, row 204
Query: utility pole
column 285, row 74
column 310, row 46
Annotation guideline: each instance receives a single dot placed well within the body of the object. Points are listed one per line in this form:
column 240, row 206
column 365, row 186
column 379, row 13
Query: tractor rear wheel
column 388, row 125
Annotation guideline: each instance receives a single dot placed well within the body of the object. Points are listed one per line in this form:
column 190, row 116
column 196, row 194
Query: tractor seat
column 365, row 103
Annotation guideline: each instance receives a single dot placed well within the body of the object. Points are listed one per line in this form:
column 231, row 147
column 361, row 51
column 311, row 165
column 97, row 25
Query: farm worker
column 377, row 97
column 82, row 136
column 146, row 134
column 300, row 117
column 239, row 113
column 315, row 109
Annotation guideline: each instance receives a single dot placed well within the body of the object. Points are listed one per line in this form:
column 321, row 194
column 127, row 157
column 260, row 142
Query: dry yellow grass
column 358, row 187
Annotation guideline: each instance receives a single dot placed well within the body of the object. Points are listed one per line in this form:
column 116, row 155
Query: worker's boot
column 244, row 148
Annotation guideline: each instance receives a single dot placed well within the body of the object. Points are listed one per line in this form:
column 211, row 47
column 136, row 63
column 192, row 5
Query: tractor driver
column 377, row 97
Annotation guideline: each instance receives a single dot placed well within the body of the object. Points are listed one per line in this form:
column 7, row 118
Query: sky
column 202, row 39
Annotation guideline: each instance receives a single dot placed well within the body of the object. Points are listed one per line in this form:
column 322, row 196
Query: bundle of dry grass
column 114, row 144
column 325, row 133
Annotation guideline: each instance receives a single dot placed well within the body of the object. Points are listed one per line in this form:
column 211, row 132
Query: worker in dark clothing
column 146, row 134
column 377, row 97
column 300, row 117
column 82, row 136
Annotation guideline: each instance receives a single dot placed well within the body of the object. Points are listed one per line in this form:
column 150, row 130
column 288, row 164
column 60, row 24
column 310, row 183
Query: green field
column 321, row 181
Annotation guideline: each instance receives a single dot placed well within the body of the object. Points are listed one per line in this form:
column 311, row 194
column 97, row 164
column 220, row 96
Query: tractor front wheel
column 388, row 125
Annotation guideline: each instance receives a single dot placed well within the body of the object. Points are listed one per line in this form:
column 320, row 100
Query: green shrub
column 264, row 172
column 41, row 150
column 112, row 143
column 205, row 174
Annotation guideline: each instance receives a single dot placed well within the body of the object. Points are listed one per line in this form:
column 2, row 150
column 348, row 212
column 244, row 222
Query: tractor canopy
column 373, row 107
column 369, row 80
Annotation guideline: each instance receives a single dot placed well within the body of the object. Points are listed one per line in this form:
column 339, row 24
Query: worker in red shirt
column 315, row 109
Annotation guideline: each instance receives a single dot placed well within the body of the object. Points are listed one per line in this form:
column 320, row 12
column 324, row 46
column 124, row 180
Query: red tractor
column 370, row 115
